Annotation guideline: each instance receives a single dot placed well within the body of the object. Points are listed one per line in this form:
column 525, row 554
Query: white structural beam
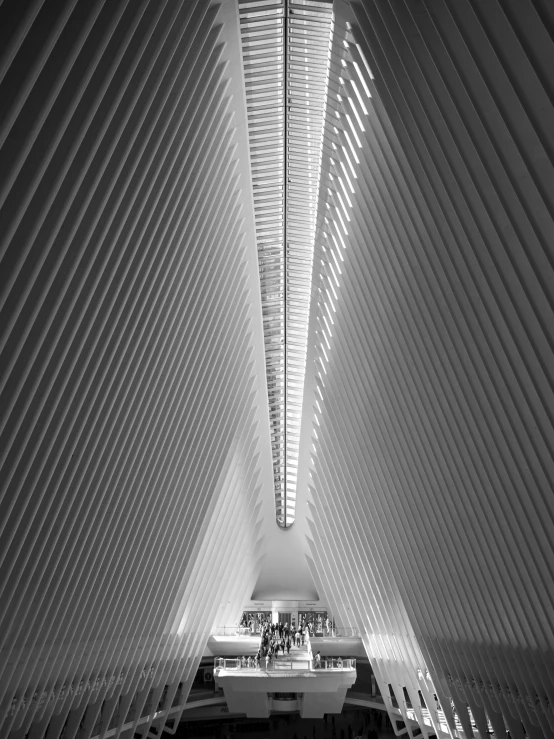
column 153, row 154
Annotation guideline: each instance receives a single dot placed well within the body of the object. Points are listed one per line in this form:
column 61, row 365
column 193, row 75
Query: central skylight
column 285, row 46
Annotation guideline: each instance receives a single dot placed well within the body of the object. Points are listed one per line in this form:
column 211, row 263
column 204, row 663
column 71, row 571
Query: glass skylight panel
column 285, row 46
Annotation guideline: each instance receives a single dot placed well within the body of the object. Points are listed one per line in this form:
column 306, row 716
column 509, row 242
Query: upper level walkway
column 299, row 659
column 231, row 641
column 338, row 631
column 288, row 663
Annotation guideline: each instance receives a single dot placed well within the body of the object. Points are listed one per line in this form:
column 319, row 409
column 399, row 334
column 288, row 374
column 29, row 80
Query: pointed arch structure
column 158, row 188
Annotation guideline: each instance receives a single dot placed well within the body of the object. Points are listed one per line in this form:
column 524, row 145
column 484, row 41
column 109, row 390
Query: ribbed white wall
column 134, row 443
column 431, row 492
column 136, row 481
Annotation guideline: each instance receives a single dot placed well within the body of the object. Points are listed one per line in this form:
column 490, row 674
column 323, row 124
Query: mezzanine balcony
column 318, row 685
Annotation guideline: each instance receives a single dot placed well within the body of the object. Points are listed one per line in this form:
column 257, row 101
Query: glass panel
column 285, row 47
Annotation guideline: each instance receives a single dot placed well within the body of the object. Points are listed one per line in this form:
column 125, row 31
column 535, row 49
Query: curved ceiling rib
column 285, row 47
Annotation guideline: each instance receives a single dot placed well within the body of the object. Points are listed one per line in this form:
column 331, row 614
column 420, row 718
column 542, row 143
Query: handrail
column 233, row 631
column 345, row 631
column 337, row 631
column 277, row 665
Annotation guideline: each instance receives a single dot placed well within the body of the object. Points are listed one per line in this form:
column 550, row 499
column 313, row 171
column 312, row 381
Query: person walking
column 288, row 645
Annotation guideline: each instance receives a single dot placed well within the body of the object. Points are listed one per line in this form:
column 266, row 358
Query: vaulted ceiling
column 269, row 259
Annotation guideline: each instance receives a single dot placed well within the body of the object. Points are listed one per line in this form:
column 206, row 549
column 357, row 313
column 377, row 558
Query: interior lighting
column 359, row 71
column 362, row 104
column 350, row 163
column 341, row 239
column 364, row 60
column 355, row 111
column 347, row 178
column 342, row 222
column 343, row 206
column 336, row 280
column 336, row 243
column 353, row 129
column 330, row 299
column 344, row 191
column 352, row 148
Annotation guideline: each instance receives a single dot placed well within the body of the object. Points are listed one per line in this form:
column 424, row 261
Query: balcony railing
column 232, row 631
column 343, row 631
column 283, row 664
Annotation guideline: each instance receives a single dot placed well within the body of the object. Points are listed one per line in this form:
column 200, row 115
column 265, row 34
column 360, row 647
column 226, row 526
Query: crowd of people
column 281, row 637
column 255, row 621
column 258, row 623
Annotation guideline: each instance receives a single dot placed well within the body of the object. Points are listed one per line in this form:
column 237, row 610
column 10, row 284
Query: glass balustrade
column 337, row 631
column 233, row 631
column 246, row 664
